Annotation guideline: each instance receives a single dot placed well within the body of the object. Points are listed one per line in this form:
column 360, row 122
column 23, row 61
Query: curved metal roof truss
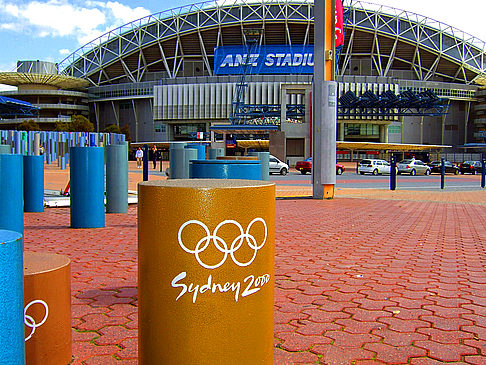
column 390, row 38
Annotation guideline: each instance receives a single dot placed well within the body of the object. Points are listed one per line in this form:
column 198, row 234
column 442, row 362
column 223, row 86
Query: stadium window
column 295, row 147
column 125, row 106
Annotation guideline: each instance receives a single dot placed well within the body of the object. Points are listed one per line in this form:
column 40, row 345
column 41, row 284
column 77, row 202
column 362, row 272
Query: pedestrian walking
column 155, row 155
column 139, row 157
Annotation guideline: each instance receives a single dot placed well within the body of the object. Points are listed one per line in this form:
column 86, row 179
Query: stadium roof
column 389, row 39
column 10, row 107
column 59, row 81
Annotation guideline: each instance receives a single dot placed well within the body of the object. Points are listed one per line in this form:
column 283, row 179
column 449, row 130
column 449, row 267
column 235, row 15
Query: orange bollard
column 206, row 271
column 47, row 310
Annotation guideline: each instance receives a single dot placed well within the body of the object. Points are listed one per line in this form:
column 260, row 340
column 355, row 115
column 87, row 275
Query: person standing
column 139, row 157
column 154, row 155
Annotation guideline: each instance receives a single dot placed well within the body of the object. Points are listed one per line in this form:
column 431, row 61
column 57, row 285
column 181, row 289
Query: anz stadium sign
column 272, row 59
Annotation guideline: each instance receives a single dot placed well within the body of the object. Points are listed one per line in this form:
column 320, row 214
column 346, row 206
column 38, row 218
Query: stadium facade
column 159, row 74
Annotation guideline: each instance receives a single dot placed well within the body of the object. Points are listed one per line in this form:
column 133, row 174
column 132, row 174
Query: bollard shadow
column 48, row 227
column 108, row 296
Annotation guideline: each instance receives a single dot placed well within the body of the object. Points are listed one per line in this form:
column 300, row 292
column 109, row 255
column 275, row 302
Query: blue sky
column 50, row 30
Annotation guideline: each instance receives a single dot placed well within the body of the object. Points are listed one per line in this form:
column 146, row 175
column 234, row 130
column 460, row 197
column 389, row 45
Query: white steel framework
column 393, row 39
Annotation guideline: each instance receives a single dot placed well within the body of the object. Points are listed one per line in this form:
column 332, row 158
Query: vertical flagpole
column 324, row 101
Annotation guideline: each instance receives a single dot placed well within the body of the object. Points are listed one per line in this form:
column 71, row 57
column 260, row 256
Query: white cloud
column 64, row 51
column 7, row 87
column 124, row 13
column 8, row 67
column 61, row 18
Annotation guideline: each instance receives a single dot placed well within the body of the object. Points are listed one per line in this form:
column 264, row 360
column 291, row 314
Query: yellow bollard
column 206, row 271
column 47, row 311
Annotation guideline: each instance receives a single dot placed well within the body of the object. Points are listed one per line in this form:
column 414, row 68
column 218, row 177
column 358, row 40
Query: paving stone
column 446, row 352
column 283, row 357
column 394, row 354
column 446, row 337
column 335, row 355
column 295, row 342
column 346, row 339
column 399, row 339
column 401, row 325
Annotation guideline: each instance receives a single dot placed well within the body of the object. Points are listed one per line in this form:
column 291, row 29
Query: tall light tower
column 324, row 101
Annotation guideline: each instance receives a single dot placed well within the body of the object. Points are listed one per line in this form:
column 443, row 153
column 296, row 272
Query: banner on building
column 272, row 59
column 339, row 21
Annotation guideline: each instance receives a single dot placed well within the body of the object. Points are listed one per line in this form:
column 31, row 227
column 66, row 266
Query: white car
column 375, row 167
column 275, row 166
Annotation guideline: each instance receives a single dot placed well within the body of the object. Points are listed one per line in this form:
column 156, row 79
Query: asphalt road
column 404, row 182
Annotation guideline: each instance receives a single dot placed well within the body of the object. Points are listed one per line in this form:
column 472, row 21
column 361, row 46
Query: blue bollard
column 442, row 173
column 145, row 162
column 483, row 173
column 12, row 193
column 17, row 140
column 225, row 169
column 33, row 183
column 87, row 187
column 12, row 343
column 63, row 162
column 117, row 178
column 92, row 140
column 393, row 173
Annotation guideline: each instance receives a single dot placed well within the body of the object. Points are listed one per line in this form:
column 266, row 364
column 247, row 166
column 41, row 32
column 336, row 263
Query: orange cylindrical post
column 206, row 271
column 47, row 300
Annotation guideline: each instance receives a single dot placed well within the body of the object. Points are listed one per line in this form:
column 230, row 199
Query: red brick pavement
column 361, row 281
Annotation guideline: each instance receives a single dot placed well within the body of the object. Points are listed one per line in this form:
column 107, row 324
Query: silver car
column 413, row 167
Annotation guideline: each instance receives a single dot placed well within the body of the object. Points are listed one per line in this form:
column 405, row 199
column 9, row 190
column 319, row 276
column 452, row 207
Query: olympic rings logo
column 30, row 322
column 221, row 244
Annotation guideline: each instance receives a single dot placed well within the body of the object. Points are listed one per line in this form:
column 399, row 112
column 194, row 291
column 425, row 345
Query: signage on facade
column 272, row 59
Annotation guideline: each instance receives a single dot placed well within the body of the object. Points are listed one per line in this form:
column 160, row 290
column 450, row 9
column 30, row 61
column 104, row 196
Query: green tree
column 61, row 127
column 126, row 131
column 28, row 125
column 80, row 123
column 112, row 128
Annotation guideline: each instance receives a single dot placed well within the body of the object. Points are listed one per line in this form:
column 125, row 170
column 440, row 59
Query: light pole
column 324, row 101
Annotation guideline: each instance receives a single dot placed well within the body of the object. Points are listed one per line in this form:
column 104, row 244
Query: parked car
column 275, row 166
column 471, row 167
column 450, row 168
column 306, row 166
column 413, row 167
column 374, row 166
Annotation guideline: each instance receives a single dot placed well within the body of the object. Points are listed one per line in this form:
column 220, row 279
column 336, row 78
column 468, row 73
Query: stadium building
column 403, row 78
column 57, row 97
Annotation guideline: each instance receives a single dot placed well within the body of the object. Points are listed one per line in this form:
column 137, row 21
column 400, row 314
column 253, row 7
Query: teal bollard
column 117, row 178
column 264, row 158
column 5, row 149
column 214, row 153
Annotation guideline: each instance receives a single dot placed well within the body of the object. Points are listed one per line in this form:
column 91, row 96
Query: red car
column 306, row 166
